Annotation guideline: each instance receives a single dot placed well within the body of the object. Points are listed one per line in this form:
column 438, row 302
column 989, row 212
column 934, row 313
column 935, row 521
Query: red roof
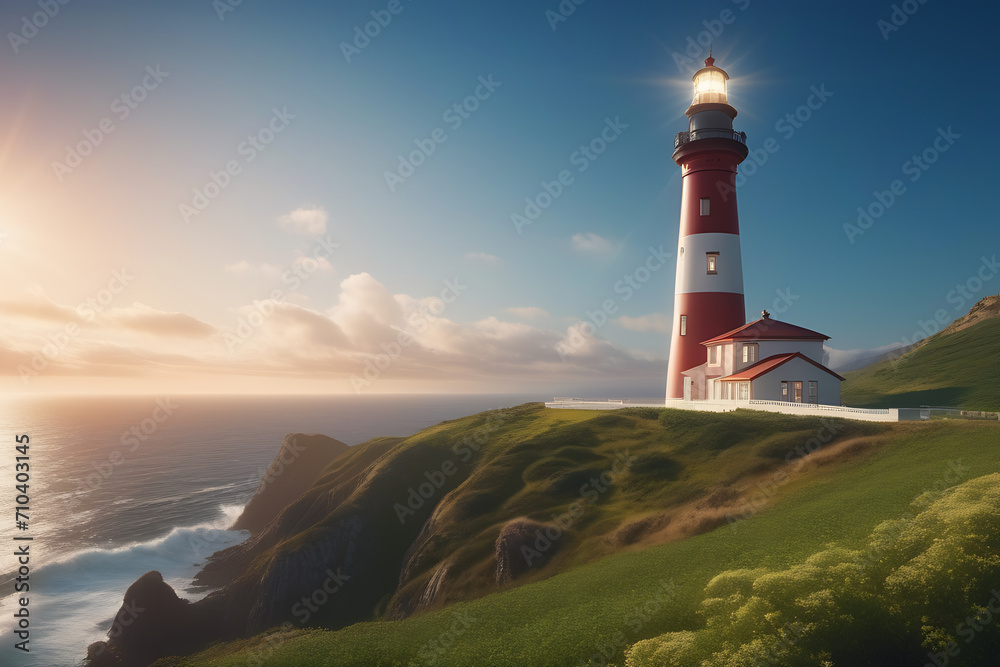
column 768, row 329
column 767, row 365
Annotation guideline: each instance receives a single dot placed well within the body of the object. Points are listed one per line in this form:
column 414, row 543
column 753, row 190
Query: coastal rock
column 299, row 463
column 151, row 622
column 522, row 544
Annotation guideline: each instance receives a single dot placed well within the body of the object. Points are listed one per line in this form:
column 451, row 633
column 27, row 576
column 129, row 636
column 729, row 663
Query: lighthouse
column 708, row 291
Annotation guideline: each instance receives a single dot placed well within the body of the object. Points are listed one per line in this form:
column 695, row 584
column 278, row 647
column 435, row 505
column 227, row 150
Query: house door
column 797, row 390
column 688, row 384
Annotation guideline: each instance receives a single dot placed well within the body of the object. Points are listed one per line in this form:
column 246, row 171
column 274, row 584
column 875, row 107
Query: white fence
column 863, row 414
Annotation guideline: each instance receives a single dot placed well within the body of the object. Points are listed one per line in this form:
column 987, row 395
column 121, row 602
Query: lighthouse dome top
column 710, row 84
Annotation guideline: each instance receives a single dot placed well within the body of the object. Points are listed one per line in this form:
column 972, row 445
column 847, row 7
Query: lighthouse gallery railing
column 708, row 133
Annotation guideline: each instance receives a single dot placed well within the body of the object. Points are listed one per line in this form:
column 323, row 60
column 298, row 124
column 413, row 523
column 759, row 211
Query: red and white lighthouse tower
column 708, row 292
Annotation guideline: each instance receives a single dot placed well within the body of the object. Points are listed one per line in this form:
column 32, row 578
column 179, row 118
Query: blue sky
column 337, row 124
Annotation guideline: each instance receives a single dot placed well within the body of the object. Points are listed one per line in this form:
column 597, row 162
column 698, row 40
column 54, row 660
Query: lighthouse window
column 713, row 263
column 684, row 325
column 705, row 205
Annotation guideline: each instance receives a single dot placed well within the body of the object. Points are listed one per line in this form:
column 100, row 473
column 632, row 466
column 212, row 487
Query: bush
column 922, row 586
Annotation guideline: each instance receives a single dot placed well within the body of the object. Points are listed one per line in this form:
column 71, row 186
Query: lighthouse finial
column 709, row 61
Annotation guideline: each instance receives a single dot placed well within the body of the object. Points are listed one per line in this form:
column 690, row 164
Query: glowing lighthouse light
column 710, row 84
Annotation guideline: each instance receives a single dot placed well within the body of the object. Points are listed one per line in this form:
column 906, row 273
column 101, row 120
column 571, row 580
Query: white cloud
column 482, row 257
column 307, row 221
column 591, row 242
column 529, row 312
column 239, row 267
column 313, row 264
column 285, row 341
column 657, row 322
column 243, row 267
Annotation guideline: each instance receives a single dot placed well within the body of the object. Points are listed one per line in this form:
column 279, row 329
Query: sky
column 307, row 197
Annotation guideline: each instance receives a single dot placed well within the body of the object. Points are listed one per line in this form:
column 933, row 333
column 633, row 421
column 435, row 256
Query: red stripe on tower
column 708, row 291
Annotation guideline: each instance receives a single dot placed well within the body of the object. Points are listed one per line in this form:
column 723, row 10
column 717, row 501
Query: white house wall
column 768, row 386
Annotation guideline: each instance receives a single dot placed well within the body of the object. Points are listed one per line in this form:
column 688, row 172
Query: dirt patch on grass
column 634, row 531
column 848, row 450
column 747, row 496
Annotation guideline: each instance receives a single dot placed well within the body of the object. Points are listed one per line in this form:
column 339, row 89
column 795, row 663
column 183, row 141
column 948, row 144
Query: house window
column 684, row 325
column 713, row 262
column 797, row 390
column 814, row 392
column 744, row 391
column 784, row 391
column 705, row 205
column 713, row 355
column 749, row 353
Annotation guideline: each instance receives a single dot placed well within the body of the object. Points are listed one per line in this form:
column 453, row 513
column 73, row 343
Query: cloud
column 312, row 264
column 307, row 221
column 482, row 257
column 657, row 322
column 243, row 267
column 40, row 308
column 591, row 242
column 529, row 312
column 406, row 338
column 142, row 318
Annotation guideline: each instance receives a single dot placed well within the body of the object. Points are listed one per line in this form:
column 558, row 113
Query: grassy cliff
column 600, row 553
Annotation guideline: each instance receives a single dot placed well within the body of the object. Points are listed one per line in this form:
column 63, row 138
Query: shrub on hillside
column 924, row 588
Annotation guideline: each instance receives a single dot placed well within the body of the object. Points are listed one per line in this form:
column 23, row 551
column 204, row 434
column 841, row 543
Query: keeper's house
column 766, row 360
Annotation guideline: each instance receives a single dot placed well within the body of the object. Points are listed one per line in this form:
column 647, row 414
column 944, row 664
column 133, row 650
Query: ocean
column 120, row 486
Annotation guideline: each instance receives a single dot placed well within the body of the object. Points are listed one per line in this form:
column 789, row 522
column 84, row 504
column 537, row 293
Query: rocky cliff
column 298, row 464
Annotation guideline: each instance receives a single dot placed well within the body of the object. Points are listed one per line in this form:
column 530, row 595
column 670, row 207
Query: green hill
column 629, row 566
column 954, row 368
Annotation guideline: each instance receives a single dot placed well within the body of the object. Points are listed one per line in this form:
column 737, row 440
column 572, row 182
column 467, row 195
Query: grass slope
column 959, row 369
column 594, row 609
